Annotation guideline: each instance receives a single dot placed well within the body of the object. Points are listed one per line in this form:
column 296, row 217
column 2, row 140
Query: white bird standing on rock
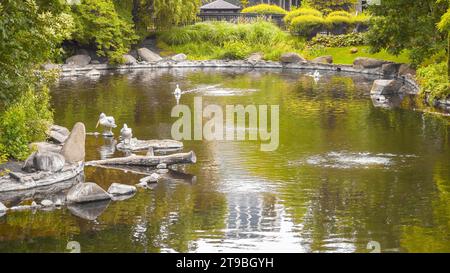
column 126, row 134
column 177, row 90
column 108, row 123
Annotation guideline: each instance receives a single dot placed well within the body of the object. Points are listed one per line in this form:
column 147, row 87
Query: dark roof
column 219, row 4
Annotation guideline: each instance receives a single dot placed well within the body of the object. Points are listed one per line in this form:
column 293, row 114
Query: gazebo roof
column 219, row 4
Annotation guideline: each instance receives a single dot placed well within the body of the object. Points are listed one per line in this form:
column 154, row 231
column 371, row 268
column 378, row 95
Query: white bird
column 316, row 74
column 108, row 123
column 177, row 90
column 126, row 134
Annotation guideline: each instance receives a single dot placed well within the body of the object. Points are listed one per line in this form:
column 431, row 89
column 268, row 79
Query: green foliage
column 29, row 37
column 265, row 9
column 433, row 80
column 344, row 40
column 307, row 25
column 244, row 3
column 338, row 20
column 402, row 24
column 340, row 13
column 328, row 6
column 99, row 24
column 212, row 40
column 301, row 11
column 25, row 121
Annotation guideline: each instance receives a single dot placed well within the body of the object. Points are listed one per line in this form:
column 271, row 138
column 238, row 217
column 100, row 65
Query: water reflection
column 346, row 171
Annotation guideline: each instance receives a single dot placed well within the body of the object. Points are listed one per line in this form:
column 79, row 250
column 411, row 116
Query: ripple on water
column 217, row 91
column 347, row 160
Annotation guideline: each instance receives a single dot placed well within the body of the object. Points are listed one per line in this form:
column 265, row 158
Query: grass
column 342, row 55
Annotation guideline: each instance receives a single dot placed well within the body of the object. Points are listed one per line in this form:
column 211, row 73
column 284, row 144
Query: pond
column 345, row 172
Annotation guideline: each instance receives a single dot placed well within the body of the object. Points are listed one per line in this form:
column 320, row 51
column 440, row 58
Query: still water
column 345, row 172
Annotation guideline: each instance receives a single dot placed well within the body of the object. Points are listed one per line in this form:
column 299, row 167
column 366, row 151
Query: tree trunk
column 147, row 161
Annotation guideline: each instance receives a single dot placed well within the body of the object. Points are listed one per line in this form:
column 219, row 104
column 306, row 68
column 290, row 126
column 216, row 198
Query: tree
column 444, row 26
column 403, row 24
column 30, row 36
column 244, row 3
column 329, row 5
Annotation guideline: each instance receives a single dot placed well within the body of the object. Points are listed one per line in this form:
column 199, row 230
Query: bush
column 307, row 25
column 236, row 50
column 299, row 12
column 339, row 13
column 97, row 22
column 264, row 9
column 24, row 122
column 344, row 40
column 433, row 80
column 212, row 40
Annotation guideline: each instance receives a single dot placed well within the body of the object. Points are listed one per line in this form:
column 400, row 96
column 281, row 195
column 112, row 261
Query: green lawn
column 342, row 55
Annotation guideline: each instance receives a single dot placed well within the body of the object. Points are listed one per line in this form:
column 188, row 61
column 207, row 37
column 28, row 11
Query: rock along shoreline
column 70, row 70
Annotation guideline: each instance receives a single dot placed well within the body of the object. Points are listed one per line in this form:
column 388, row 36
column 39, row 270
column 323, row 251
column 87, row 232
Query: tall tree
column 405, row 24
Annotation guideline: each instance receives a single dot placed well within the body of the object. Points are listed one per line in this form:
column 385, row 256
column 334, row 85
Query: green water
column 345, row 172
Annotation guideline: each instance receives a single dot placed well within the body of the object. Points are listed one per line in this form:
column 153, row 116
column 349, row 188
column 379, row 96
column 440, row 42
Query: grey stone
column 95, row 62
column 291, row 57
column 121, row 189
column 58, row 203
column 50, row 66
column 60, row 129
column 385, row 87
column 161, row 166
column 46, row 203
column 3, row 208
column 162, row 171
column 405, row 69
column 73, row 149
column 80, row 60
column 363, row 62
column 179, row 57
column 353, row 50
column 323, row 59
column 45, row 147
column 153, row 178
column 86, row 192
column 20, row 208
column 390, row 69
column 255, row 57
column 129, row 60
column 57, row 137
column 44, row 161
column 147, row 55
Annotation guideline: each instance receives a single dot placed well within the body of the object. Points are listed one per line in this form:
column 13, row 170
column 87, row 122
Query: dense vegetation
column 264, row 9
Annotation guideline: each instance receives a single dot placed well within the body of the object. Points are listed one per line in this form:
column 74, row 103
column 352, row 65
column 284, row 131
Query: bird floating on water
column 126, row 134
column 108, row 123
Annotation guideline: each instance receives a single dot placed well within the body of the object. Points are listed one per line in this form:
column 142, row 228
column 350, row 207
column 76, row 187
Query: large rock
column 80, row 60
column 60, row 129
column 129, row 60
column 179, row 57
column 364, row 63
column 121, row 189
column 45, row 147
column 324, row 59
column 86, row 192
column 147, row 55
column 255, row 57
column 58, row 133
column 44, row 161
column 390, row 69
column 406, row 69
column 291, row 57
column 385, row 87
column 73, row 149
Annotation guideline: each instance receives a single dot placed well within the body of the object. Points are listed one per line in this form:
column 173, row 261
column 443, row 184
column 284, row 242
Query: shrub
column 433, row 80
column 338, row 24
column 97, row 22
column 299, row 12
column 307, row 25
column 344, row 40
column 339, row 13
column 236, row 50
column 264, row 9
column 23, row 122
